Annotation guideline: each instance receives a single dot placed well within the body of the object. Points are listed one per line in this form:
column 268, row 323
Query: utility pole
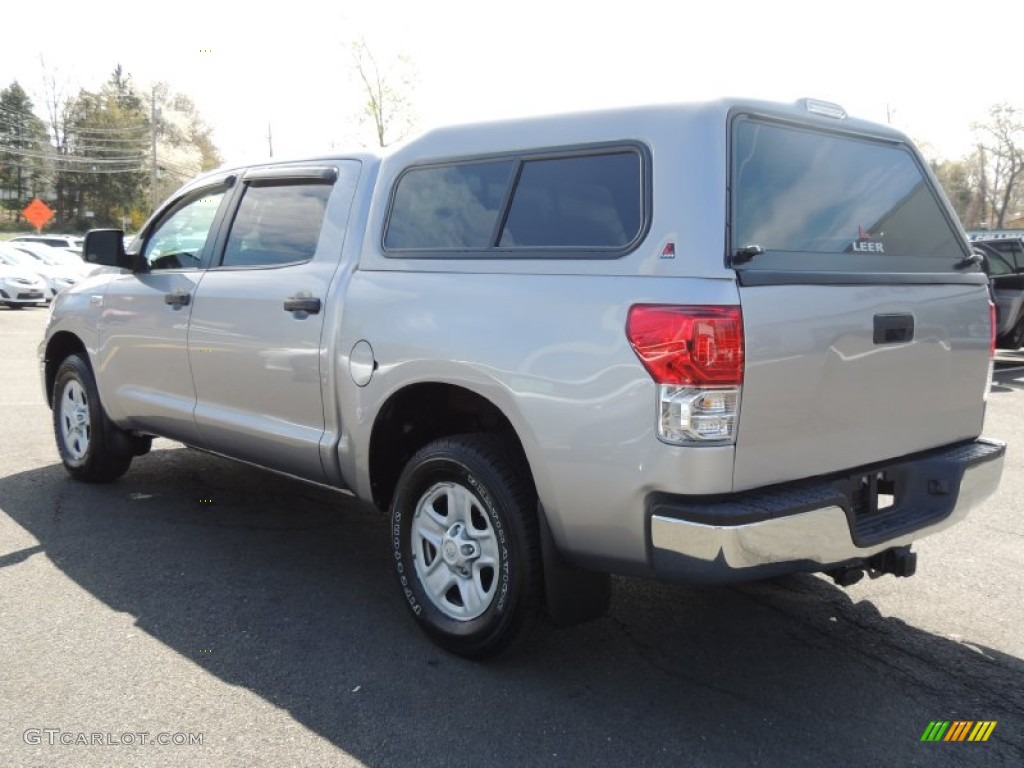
column 270, row 140
column 21, row 146
column 153, row 113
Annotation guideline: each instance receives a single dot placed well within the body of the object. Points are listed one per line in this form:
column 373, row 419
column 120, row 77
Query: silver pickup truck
column 701, row 343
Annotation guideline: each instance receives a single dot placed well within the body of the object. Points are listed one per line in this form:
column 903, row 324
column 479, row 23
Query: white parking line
column 1009, row 369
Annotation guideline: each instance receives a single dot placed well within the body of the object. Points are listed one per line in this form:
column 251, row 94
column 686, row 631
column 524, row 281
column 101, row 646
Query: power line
column 87, row 144
column 88, row 151
column 43, row 148
column 52, row 174
column 128, row 129
column 92, row 140
column 71, row 158
column 72, row 147
column 80, row 147
column 102, row 141
column 18, row 112
column 101, row 133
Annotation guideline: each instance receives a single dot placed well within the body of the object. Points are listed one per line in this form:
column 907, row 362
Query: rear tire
column 1014, row 339
column 466, row 545
column 86, row 439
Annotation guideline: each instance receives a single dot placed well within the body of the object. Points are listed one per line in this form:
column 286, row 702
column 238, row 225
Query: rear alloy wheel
column 85, row 437
column 455, row 551
column 466, row 545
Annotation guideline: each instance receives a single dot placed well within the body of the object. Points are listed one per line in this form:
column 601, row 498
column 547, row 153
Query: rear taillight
column 695, row 355
column 991, row 329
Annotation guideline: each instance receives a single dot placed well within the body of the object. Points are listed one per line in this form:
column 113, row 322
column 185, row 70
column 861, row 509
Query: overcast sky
column 929, row 70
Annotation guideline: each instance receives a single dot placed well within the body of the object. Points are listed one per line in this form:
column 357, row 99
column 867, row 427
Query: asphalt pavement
column 203, row 613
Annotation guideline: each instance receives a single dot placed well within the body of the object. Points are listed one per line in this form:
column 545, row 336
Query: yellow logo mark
column 958, row 730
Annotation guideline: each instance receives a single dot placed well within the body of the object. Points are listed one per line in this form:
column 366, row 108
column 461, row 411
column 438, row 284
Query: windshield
column 34, row 256
column 17, row 257
column 816, row 200
column 54, row 257
column 67, row 259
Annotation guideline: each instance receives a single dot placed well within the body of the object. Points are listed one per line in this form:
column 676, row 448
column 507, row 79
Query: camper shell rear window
column 804, row 199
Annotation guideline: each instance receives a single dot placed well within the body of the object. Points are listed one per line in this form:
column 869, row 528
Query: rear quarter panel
column 552, row 354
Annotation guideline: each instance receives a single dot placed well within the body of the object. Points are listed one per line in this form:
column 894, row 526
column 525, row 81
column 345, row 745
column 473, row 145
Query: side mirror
column 982, row 259
column 105, row 247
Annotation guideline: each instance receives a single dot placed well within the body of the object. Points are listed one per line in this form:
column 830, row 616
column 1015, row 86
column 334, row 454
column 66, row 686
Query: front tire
column 466, row 545
column 85, row 437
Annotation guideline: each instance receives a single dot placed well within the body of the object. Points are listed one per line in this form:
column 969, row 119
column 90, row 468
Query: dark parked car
column 1004, row 264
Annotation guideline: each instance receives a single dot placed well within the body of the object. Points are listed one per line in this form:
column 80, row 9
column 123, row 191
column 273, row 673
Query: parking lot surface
column 200, row 612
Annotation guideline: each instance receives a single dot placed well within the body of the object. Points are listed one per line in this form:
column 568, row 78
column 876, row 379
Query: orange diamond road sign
column 37, row 213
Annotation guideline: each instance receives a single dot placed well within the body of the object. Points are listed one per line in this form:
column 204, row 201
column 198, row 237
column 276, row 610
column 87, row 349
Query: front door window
column 178, row 241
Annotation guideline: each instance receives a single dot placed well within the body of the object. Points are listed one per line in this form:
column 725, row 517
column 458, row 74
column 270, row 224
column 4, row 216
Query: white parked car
column 71, row 242
column 19, row 286
column 55, row 277
column 59, row 257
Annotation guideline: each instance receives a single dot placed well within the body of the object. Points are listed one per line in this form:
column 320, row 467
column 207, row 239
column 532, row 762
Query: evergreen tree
column 108, row 153
column 24, row 151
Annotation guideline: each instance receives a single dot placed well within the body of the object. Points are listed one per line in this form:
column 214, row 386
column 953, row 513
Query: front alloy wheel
column 75, row 424
column 86, row 439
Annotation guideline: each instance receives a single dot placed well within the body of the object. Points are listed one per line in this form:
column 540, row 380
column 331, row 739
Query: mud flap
column 572, row 595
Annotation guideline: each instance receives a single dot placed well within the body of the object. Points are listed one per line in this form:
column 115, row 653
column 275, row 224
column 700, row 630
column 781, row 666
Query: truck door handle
column 302, row 304
column 177, row 299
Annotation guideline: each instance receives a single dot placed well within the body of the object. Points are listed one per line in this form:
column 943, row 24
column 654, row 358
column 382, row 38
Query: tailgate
column 824, row 389
column 866, row 322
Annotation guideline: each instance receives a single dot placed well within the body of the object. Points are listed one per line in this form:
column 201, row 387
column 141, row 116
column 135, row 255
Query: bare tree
column 58, row 108
column 955, row 176
column 388, row 87
column 999, row 162
column 184, row 142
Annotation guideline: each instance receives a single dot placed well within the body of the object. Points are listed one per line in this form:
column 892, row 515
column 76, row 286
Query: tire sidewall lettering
column 500, row 601
column 396, row 547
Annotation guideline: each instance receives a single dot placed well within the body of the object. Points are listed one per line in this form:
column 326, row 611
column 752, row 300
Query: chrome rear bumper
column 701, row 550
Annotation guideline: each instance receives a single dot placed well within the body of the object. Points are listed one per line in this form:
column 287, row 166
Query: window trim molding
column 311, row 174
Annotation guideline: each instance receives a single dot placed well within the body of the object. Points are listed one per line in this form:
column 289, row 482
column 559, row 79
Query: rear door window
column 1011, row 250
column 277, row 223
column 816, row 201
column 997, row 265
